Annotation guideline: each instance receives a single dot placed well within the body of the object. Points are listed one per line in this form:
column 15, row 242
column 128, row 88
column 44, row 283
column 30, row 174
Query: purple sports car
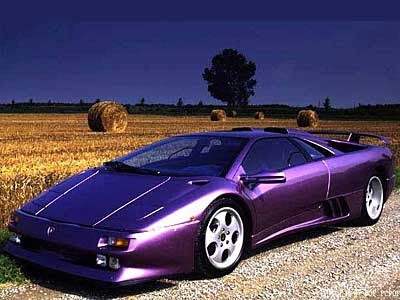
column 196, row 202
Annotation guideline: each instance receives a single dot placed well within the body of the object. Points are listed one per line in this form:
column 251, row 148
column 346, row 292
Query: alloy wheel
column 224, row 238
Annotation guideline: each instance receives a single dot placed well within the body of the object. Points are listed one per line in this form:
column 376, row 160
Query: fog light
column 113, row 263
column 15, row 237
column 101, row 260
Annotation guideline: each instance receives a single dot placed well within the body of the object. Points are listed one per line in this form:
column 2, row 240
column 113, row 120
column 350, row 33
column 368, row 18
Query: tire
column 221, row 239
column 372, row 205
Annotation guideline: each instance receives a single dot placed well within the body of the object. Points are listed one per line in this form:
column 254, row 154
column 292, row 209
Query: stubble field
column 38, row 150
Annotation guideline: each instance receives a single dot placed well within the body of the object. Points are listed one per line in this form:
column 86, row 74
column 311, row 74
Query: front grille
column 70, row 254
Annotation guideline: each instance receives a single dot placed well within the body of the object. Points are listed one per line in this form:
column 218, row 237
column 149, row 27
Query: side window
column 272, row 154
column 312, row 150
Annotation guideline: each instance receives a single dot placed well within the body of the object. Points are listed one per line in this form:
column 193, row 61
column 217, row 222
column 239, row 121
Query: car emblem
column 50, row 230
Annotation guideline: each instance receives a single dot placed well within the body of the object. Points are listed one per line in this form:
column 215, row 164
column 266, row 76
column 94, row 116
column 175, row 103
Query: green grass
column 397, row 172
column 10, row 271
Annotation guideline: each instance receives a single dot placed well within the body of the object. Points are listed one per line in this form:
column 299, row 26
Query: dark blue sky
column 298, row 63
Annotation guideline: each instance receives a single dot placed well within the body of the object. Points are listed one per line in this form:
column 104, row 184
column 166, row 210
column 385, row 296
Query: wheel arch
column 381, row 172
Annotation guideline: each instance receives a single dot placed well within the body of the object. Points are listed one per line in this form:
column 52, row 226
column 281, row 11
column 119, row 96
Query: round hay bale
column 107, row 116
column 307, row 118
column 233, row 114
column 259, row 115
column 218, row 115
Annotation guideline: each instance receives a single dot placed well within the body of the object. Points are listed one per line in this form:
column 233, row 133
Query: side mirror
column 264, row 178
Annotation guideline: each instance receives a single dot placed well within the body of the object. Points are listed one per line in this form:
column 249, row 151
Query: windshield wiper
column 120, row 166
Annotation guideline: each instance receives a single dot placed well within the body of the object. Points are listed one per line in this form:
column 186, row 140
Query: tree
column 13, row 102
column 200, row 103
column 180, row 102
column 327, row 104
column 81, row 102
column 230, row 78
column 142, row 101
column 97, row 100
column 31, row 101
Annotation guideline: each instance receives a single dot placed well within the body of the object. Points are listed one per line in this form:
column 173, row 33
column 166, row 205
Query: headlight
column 101, row 260
column 121, row 243
column 15, row 237
column 113, row 263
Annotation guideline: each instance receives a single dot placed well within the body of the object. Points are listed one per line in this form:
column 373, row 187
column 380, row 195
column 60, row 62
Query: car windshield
column 187, row 156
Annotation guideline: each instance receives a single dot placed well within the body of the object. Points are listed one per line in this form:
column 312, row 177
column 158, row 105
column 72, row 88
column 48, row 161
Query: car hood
column 92, row 197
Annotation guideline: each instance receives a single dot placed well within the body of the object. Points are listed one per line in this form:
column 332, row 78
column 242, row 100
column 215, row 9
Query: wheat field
column 39, row 150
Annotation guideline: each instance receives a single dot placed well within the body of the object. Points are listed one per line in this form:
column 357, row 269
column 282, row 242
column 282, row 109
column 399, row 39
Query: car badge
column 50, row 230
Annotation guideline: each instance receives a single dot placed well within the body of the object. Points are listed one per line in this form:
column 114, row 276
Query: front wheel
column 373, row 202
column 221, row 239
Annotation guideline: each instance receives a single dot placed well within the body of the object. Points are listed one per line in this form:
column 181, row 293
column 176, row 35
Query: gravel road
column 326, row 263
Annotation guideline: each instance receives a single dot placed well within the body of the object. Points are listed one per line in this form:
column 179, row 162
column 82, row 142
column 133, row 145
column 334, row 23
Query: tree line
column 363, row 112
column 231, row 79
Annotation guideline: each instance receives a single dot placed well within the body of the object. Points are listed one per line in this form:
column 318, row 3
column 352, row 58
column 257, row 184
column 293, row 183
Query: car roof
column 307, row 136
column 248, row 132
column 234, row 134
column 256, row 133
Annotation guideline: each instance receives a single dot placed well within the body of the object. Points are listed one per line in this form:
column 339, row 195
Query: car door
column 305, row 186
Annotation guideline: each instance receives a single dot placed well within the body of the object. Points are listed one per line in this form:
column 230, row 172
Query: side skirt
column 327, row 212
column 322, row 221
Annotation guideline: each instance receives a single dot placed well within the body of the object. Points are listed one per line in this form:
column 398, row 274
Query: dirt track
column 326, row 263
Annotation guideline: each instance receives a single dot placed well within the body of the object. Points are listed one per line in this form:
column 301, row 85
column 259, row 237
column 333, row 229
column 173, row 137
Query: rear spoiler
column 353, row 137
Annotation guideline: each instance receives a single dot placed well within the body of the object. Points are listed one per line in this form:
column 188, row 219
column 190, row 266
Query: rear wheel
column 221, row 239
column 373, row 202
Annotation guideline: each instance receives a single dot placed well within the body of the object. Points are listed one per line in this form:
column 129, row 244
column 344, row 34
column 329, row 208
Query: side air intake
column 336, row 207
column 277, row 130
column 242, row 129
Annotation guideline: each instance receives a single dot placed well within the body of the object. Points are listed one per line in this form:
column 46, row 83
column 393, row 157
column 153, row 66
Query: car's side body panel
column 276, row 202
column 306, row 201
column 350, row 171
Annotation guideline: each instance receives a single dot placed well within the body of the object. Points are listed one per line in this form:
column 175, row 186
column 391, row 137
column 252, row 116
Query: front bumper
column 72, row 249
